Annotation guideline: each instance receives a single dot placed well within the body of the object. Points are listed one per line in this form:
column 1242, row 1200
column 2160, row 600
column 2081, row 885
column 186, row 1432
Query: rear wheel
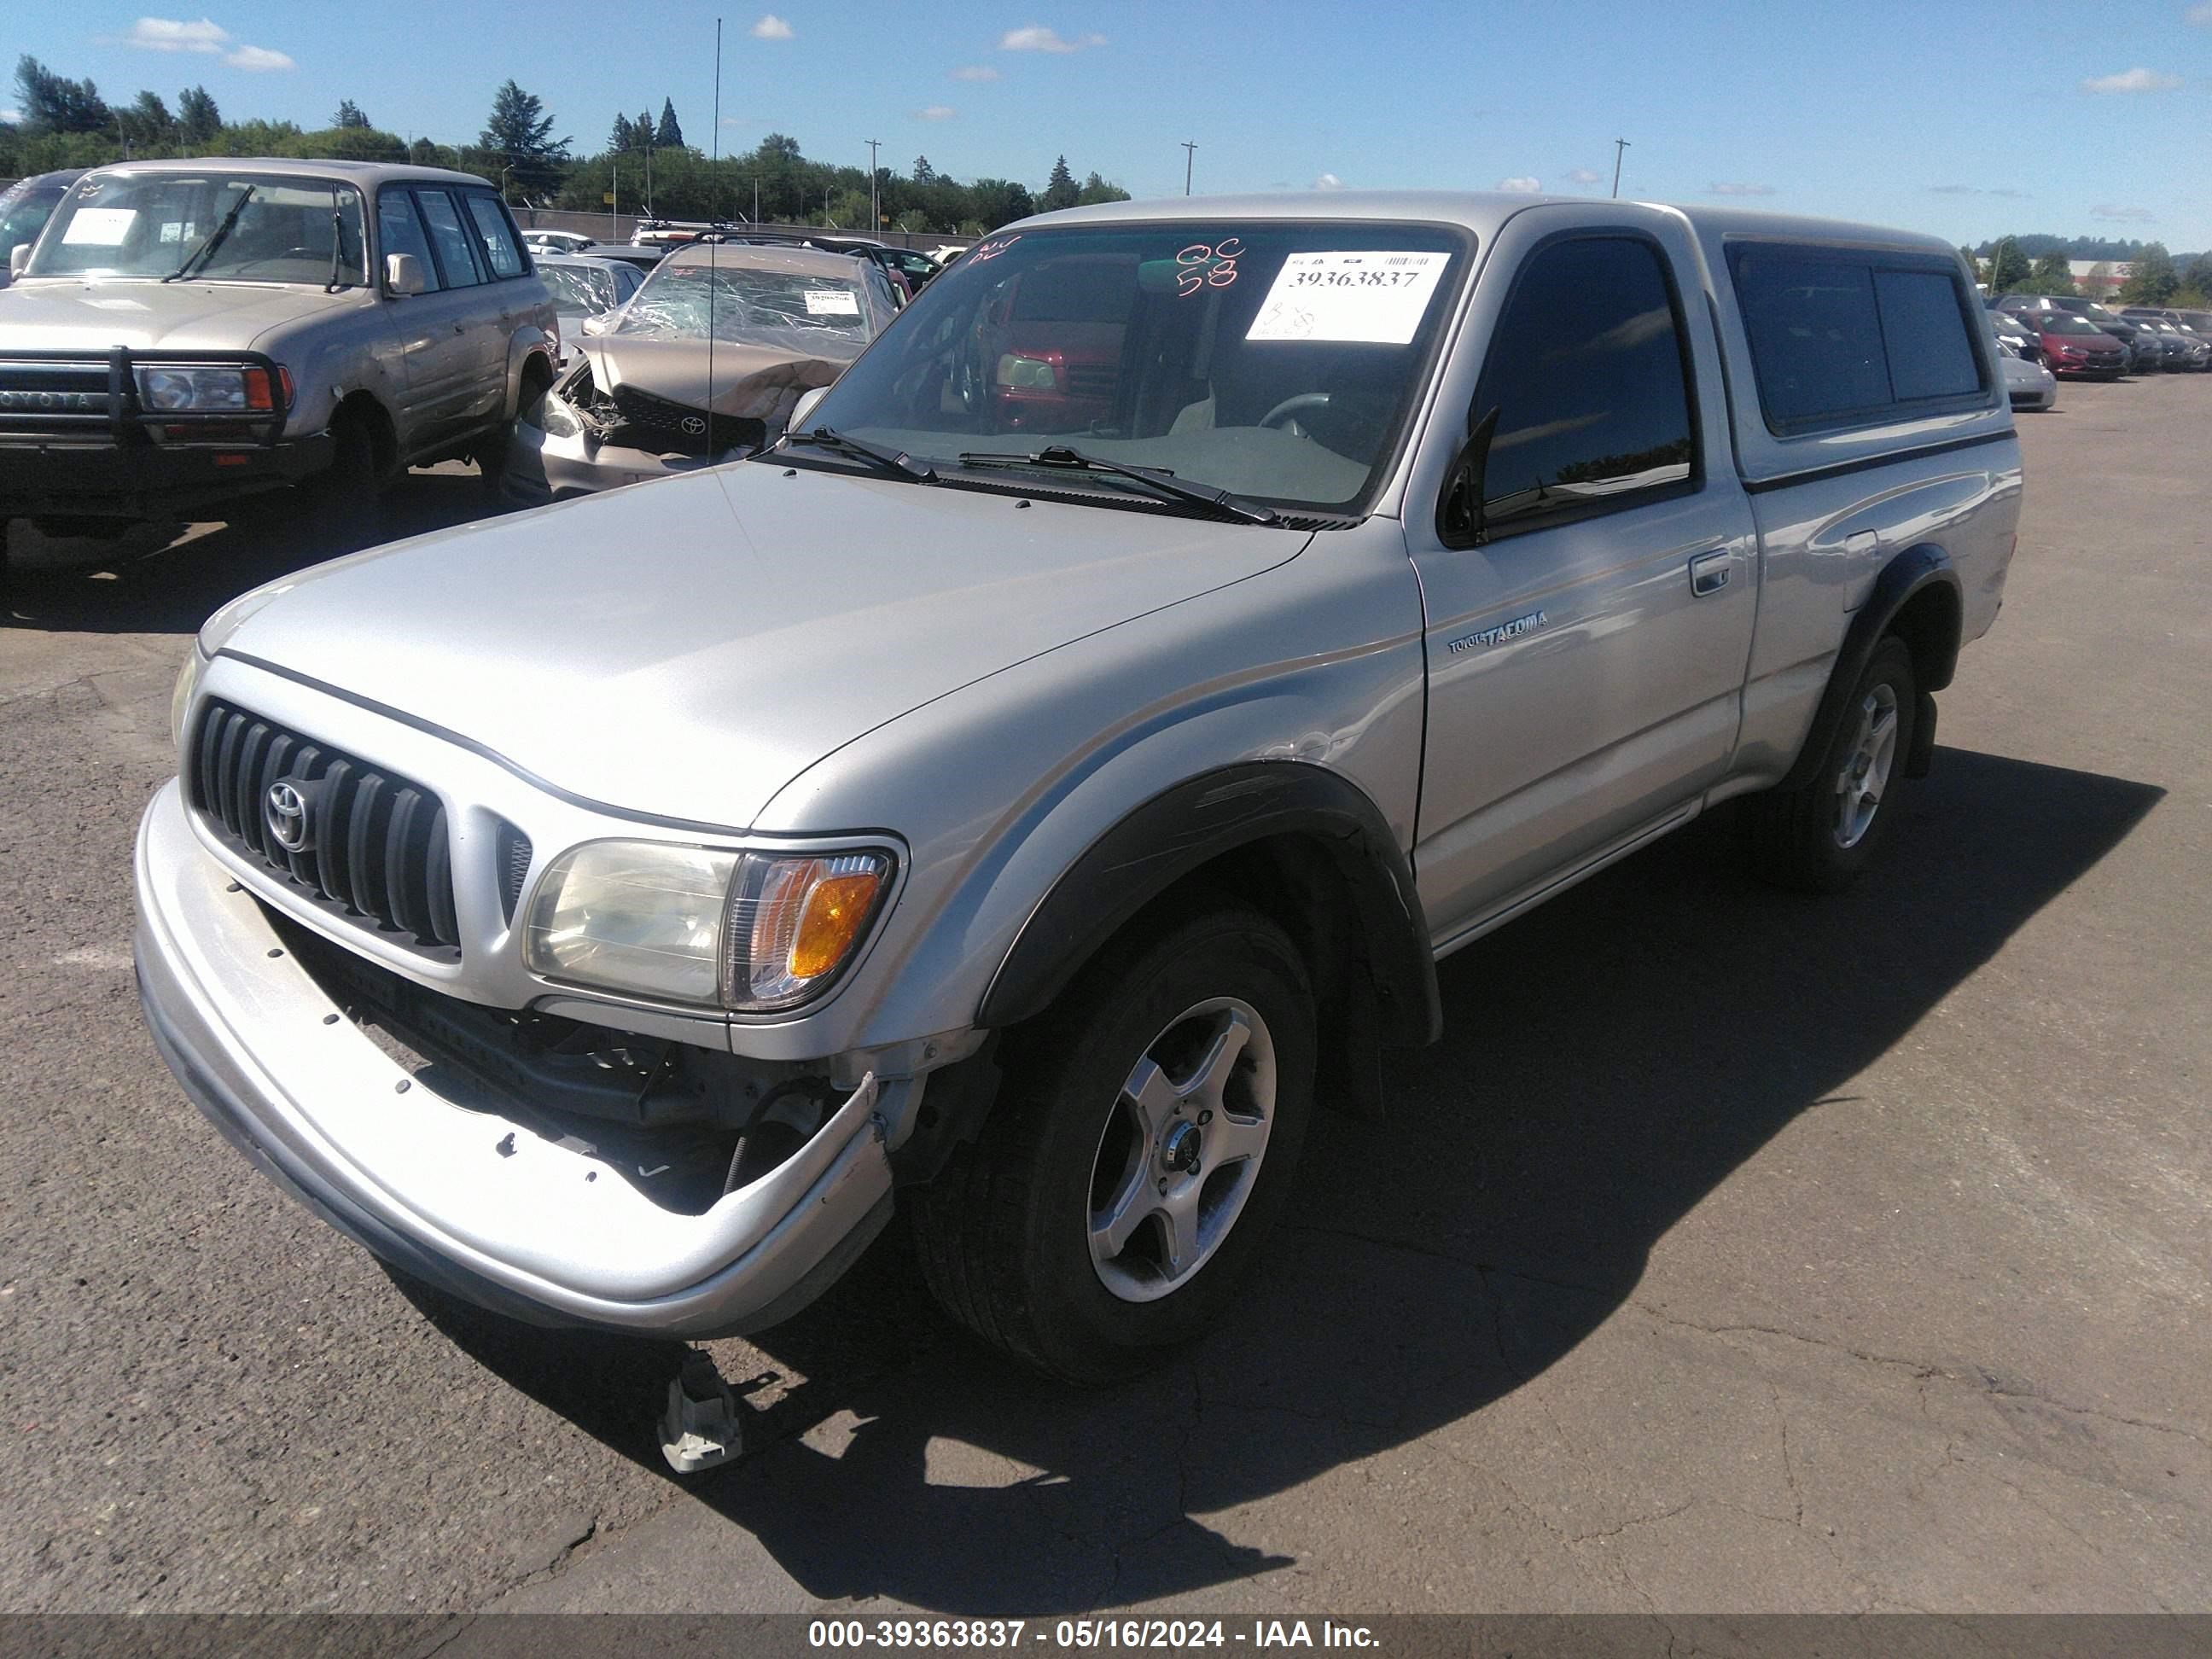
column 1146, row 1135
column 1819, row 836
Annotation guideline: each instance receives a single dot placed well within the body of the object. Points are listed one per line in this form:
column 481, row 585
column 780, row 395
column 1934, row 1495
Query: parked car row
column 2061, row 334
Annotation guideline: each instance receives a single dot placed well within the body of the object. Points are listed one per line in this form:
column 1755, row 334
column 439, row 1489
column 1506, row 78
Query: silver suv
column 1022, row 796
column 184, row 334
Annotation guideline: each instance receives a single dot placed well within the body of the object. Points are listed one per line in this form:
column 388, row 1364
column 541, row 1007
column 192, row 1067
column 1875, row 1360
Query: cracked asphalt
column 1733, row 1252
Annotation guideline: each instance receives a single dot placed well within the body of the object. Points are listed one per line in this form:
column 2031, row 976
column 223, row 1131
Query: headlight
column 178, row 390
column 557, row 418
column 750, row 931
column 180, row 700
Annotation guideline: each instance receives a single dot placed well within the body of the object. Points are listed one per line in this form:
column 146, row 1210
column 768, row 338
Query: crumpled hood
column 756, row 382
column 685, row 648
column 40, row 315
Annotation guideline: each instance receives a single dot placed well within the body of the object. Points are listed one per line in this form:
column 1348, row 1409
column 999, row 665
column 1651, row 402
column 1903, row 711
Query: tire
column 343, row 506
column 1819, row 836
column 1098, row 1123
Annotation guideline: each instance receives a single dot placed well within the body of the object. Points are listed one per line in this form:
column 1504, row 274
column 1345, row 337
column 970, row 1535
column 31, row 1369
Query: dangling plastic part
column 701, row 1427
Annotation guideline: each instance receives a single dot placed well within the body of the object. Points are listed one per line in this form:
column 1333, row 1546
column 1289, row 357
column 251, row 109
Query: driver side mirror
column 403, row 273
column 805, row 406
column 19, row 259
column 1459, row 508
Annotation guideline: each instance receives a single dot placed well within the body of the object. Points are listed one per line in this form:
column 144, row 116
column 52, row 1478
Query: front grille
column 1093, row 380
column 663, row 426
column 377, row 849
column 62, row 398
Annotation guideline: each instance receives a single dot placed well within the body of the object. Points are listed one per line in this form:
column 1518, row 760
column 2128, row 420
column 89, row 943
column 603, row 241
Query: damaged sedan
column 703, row 365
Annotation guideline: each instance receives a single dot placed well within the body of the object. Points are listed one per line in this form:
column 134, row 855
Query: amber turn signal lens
column 257, row 390
column 832, row 920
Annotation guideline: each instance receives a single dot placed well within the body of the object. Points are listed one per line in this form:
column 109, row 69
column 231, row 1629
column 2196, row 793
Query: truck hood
column 683, row 648
column 48, row 315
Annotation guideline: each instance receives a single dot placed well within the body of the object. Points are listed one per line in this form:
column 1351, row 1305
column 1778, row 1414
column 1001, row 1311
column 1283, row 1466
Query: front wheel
column 1146, row 1137
column 1819, row 836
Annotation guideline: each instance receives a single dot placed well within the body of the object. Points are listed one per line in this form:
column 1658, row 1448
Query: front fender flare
column 1179, row 830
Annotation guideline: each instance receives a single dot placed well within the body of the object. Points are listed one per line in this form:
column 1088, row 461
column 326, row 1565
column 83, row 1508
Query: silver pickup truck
column 185, row 335
column 1021, row 797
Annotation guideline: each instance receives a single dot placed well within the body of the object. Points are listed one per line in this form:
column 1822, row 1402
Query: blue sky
column 1926, row 115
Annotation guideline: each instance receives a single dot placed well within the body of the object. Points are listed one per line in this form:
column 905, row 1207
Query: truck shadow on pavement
column 171, row 580
column 1608, row 1061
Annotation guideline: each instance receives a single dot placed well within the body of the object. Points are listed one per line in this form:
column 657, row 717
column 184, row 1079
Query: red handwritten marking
column 983, row 250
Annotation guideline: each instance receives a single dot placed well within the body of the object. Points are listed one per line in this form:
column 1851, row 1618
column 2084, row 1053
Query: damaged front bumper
column 542, row 468
column 482, row 1204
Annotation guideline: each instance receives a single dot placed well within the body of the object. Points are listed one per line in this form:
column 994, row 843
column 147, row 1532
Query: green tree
column 2197, row 277
column 424, row 154
column 198, row 120
column 520, row 133
column 1060, row 190
column 1096, row 189
column 350, row 144
column 2008, row 266
column 147, row 124
column 625, row 136
column 52, row 104
column 2049, row 274
column 924, row 174
column 2153, row 281
column 349, row 115
column 641, row 130
column 668, row 135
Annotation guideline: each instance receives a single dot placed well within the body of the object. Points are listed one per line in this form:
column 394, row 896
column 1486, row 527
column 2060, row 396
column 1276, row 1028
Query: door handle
column 1708, row 572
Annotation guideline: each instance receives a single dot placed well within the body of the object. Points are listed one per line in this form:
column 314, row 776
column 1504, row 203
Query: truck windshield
column 1279, row 361
column 162, row 224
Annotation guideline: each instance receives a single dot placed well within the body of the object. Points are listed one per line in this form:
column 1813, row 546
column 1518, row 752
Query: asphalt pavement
column 1733, row 1251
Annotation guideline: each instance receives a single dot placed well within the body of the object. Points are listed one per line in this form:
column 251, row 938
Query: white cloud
column 173, row 34
column 1738, row 190
column 976, row 72
column 936, row 112
column 2133, row 79
column 1521, row 187
column 1585, row 176
column 1327, row 181
column 258, row 60
column 1037, row 38
column 771, row 28
column 2131, row 215
column 11, row 116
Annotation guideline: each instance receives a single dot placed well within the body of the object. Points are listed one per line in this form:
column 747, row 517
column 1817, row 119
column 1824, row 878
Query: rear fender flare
column 1906, row 578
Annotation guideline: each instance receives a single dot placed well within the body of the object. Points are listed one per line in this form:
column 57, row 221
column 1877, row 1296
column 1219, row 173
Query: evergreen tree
column 349, row 115
column 1060, row 190
column 147, row 123
column 668, row 135
column 424, row 154
column 52, row 104
column 198, row 118
column 641, row 130
column 520, row 133
column 924, row 174
column 624, row 138
column 1096, row 189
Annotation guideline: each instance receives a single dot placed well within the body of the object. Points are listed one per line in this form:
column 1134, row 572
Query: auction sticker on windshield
column 1375, row 298
column 101, row 227
column 832, row 302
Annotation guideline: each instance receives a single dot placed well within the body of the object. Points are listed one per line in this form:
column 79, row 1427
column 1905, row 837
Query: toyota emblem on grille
column 694, row 424
column 286, row 810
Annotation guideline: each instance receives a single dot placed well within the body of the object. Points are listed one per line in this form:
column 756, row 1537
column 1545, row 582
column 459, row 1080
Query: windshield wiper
column 901, row 465
column 1159, row 480
column 206, row 250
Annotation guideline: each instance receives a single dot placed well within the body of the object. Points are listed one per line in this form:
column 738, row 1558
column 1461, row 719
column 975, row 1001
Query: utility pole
column 875, row 208
column 1189, row 160
column 756, row 199
column 1619, row 145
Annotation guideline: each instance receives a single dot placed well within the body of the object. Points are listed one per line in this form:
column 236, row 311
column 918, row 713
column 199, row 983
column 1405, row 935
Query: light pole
column 875, row 208
column 1619, row 145
column 1189, row 160
column 503, row 172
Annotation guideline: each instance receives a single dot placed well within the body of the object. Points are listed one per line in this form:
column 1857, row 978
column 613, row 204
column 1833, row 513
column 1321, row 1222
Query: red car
column 2073, row 345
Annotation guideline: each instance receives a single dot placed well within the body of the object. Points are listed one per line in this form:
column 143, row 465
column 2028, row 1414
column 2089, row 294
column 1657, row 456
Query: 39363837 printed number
column 974, row 1633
